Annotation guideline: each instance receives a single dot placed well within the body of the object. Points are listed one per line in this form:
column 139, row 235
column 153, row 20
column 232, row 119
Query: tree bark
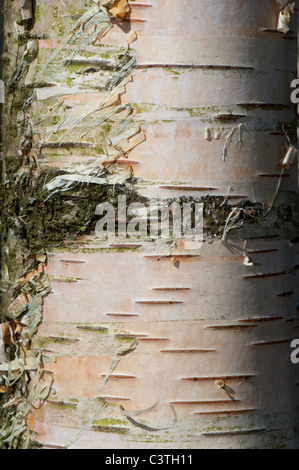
column 196, row 338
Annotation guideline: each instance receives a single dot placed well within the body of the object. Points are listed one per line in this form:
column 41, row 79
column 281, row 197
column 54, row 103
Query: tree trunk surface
column 194, row 337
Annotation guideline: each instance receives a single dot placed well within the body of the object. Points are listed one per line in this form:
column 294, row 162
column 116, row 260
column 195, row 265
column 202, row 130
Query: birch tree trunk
column 196, row 338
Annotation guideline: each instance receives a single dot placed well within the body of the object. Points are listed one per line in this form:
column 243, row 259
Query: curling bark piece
column 208, row 134
column 3, row 357
column 217, row 133
column 31, row 51
column 27, row 10
column 117, row 8
column 10, row 332
column 248, row 261
column 290, row 157
column 285, row 18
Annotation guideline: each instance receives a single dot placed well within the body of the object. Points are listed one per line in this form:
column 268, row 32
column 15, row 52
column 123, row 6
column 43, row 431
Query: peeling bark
column 171, row 102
